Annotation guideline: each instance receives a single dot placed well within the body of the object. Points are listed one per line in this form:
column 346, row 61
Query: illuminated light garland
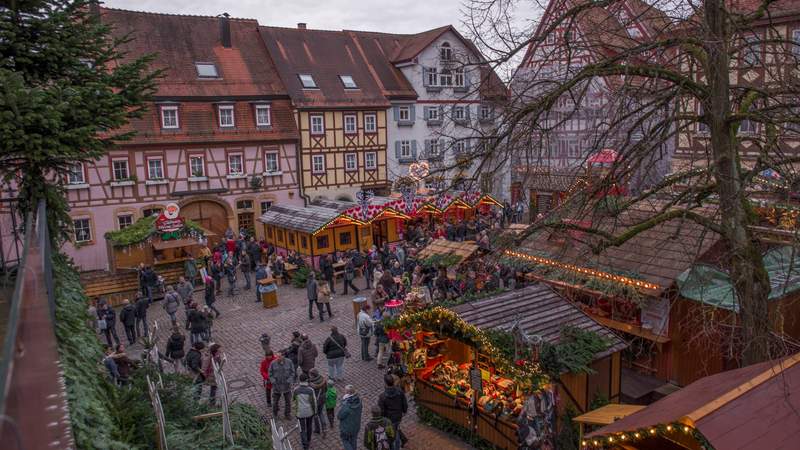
column 584, row 271
column 647, row 433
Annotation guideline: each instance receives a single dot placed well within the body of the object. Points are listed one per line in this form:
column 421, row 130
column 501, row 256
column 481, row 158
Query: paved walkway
column 243, row 321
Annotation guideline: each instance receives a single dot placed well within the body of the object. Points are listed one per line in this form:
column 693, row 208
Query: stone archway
column 210, row 213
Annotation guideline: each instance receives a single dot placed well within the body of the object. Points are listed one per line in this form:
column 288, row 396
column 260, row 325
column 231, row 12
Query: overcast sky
column 395, row 16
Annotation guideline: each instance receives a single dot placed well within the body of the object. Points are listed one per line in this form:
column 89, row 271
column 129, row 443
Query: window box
column 236, row 176
column 273, row 173
column 156, row 182
column 122, row 183
column 77, row 186
column 198, row 179
column 430, row 88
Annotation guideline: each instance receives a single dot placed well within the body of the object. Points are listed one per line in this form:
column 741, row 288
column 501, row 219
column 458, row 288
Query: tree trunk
column 748, row 275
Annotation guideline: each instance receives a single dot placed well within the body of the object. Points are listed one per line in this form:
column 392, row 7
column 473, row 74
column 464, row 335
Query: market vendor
column 379, row 296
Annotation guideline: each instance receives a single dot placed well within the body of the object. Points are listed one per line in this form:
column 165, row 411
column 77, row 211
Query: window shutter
column 467, row 79
column 425, row 72
column 466, row 111
column 396, row 111
column 441, row 112
column 425, row 110
column 412, row 115
column 414, row 149
column 397, row 149
column 427, row 147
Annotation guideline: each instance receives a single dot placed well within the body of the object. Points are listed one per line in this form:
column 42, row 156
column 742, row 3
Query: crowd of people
column 291, row 376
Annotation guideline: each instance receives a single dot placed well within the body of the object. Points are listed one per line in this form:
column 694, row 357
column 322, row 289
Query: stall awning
column 186, row 242
column 607, row 414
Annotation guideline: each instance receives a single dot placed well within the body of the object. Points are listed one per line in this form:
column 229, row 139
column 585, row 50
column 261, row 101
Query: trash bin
column 268, row 292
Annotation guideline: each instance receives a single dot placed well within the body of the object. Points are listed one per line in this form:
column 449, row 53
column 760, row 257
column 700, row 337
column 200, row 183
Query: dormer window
column 307, row 81
column 446, row 52
column 348, row 82
column 226, row 119
column 169, row 117
column 206, row 70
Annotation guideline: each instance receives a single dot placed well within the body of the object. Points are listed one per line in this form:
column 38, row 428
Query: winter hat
column 330, row 382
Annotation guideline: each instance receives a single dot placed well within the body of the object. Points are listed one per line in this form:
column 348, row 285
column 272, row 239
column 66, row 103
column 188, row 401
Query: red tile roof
column 325, row 55
column 247, row 73
column 752, row 407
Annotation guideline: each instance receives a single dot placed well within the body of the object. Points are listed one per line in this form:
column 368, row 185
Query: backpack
column 381, row 438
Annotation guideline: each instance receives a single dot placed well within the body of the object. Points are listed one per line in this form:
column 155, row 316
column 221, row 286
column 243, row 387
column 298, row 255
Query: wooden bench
column 117, row 287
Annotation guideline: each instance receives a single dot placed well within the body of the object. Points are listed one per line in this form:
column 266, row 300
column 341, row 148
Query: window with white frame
column 458, row 77
column 404, row 113
column 350, row 124
column 405, row 149
column 317, row 124
column 370, row 160
column 633, row 31
column 271, row 161
column 265, row 206
column 433, row 113
column 119, row 169
column 434, row 148
column 318, row 163
column 197, row 166
column 572, row 148
column 486, row 112
column 155, row 168
column 169, row 117
column 154, row 211
column 432, row 76
column 263, row 118
column 446, row 78
column 235, row 164
column 350, row 162
column 550, row 38
column 458, row 113
column 307, row 81
column 370, row 123
column 124, row 221
column 226, row 119
column 702, row 127
column 76, row 174
column 446, row 52
column 83, row 229
column 460, row 147
column 348, row 82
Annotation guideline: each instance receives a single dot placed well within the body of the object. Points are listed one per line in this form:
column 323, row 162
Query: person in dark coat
column 142, row 303
column 128, row 318
column 175, row 350
column 294, row 347
column 230, row 274
column 210, row 296
column 349, row 276
column 282, row 375
column 334, row 349
column 194, row 364
column 109, row 316
column 326, row 267
column 307, row 355
column 349, row 416
column 197, row 323
column 150, row 281
column 216, row 275
column 125, row 365
column 369, row 270
column 312, row 292
column 254, row 252
column 244, row 266
column 393, row 406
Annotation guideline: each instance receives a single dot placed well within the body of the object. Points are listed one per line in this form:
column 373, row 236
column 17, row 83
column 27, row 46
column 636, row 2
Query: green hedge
column 106, row 417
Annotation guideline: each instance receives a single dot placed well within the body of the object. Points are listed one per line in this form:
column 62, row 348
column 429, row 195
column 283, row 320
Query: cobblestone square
column 243, row 320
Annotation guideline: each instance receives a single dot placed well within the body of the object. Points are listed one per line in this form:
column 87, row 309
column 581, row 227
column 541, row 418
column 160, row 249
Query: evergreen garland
column 144, row 229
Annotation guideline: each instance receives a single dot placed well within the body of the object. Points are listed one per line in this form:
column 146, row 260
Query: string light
column 585, row 271
column 652, row 431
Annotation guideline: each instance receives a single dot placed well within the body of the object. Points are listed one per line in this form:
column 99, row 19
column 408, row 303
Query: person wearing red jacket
column 268, row 358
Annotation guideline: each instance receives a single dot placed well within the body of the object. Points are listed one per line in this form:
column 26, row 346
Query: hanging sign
column 169, row 224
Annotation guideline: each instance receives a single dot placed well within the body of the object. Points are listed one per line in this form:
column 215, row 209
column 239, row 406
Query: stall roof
column 540, row 310
column 305, row 219
column 751, row 407
column 338, row 205
column 445, row 247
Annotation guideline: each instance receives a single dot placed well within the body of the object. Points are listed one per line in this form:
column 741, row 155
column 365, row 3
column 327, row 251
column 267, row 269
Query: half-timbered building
column 219, row 138
column 340, row 111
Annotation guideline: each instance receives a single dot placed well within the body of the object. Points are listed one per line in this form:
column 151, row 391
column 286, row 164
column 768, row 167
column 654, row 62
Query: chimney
column 301, row 25
column 225, row 30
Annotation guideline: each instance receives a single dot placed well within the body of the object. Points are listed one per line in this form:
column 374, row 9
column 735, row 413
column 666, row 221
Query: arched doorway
column 211, row 215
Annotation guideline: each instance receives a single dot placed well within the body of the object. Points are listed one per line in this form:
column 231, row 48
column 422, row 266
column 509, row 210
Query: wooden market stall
column 747, row 408
column 543, row 314
column 461, row 374
column 451, row 253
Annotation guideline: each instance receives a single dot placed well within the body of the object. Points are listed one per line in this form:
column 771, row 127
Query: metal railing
column 33, row 404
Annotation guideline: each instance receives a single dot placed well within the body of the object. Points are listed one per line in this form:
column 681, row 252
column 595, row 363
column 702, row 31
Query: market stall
column 166, row 239
column 461, row 374
column 441, row 252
